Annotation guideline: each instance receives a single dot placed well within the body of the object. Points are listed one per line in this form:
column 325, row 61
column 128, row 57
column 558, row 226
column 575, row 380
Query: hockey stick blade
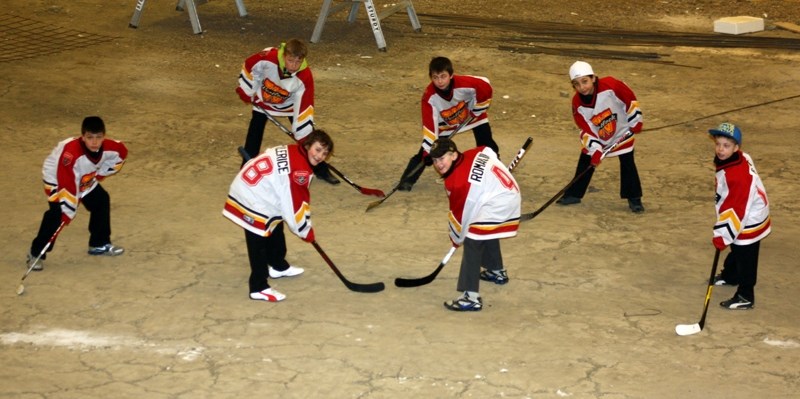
column 365, row 288
column 689, row 329
column 416, row 282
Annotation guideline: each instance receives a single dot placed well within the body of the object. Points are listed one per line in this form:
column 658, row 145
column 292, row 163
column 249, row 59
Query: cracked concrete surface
column 595, row 291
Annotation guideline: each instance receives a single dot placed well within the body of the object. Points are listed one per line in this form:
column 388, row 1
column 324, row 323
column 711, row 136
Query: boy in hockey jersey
column 278, row 81
column 742, row 215
column 72, row 174
column 448, row 101
column 484, row 207
column 604, row 109
column 269, row 191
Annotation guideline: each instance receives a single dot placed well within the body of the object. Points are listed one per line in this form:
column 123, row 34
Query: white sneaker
column 269, row 295
column 291, row 271
column 106, row 250
column 39, row 266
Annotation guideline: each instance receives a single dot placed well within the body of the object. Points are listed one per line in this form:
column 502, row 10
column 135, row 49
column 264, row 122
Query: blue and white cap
column 728, row 130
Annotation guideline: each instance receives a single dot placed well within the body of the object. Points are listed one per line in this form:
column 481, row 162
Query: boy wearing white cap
column 742, row 215
column 605, row 110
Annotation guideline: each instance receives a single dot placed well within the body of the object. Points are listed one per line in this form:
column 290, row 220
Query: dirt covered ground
column 595, row 290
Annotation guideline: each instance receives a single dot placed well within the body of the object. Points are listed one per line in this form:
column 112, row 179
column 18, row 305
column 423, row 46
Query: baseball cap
column 442, row 146
column 728, row 130
column 580, row 68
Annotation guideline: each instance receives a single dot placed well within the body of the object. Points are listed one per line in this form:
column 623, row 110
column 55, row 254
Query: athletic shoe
column 405, row 186
column 107, row 250
column 738, row 302
column 567, row 200
column 269, row 295
column 718, row 280
column 39, row 266
column 636, row 205
column 464, row 304
column 291, row 271
column 496, row 276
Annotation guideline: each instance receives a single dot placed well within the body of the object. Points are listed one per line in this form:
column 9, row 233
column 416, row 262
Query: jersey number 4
column 506, row 180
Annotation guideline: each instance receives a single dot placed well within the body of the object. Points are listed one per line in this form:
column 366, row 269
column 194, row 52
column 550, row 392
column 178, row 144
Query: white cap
column 580, row 68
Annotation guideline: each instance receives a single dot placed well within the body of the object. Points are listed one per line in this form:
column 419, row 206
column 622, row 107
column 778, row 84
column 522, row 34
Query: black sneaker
column 464, row 304
column 636, row 205
column 405, row 186
column 567, row 200
column 738, row 302
column 330, row 179
column 718, row 280
column 499, row 277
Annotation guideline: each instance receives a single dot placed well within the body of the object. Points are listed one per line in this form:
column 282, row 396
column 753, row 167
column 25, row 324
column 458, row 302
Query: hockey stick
column 368, row 288
column 689, row 329
column 529, row 216
column 416, row 169
column 416, row 282
column 374, row 287
column 21, row 287
column 362, row 190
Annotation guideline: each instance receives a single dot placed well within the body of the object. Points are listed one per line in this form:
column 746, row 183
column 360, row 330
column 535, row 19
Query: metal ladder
column 374, row 16
column 191, row 7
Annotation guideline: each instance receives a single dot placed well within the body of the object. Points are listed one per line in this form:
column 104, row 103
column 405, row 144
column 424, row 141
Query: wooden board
column 788, row 26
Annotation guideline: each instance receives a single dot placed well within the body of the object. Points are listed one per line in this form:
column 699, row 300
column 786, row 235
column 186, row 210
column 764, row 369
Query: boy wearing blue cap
column 742, row 215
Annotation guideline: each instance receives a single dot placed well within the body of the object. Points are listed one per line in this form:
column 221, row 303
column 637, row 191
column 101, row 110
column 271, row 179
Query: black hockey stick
column 21, row 287
column 416, row 282
column 689, row 329
column 368, row 288
column 362, row 190
column 529, row 216
column 416, row 169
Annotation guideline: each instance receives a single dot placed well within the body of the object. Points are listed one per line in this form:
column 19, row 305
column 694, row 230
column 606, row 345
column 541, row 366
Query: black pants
column 478, row 253
column 264, row 252
column 255, row 134
column 741, row 268
column 483, row 137
column 97, row 202
column 629, row 184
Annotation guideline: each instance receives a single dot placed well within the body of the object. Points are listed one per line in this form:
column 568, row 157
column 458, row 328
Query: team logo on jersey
column 87, row 181
column 301, row 177
column 606, row 123
column 455, row 115
column 66, row 159
column 272, row 93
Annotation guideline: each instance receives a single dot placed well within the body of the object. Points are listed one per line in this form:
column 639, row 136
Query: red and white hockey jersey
column 613, row 113
column 263, row 83
column 741, row 202
column 484, row 197
column 270, row 189
column 471, row 95
column 70, row 171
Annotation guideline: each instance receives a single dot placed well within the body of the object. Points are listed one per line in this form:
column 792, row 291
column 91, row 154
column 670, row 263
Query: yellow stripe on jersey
column 494, row 226
column 757, row 227
column 729, row 217
column 454, row 223
column 302, row 213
